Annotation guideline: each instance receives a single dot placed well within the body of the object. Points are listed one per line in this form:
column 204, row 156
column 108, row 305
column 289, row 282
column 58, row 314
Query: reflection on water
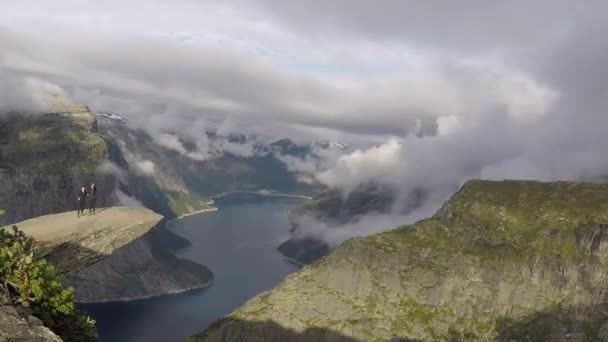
column 238, row 243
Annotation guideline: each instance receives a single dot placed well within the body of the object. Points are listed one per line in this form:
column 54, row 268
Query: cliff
column 111, row 255
column 512, row 260
column 32, row 296
column 13, row 327
column 45, row 159
column 71, row 244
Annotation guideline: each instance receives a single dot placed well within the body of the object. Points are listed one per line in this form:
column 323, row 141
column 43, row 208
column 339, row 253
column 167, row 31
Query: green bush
column 31, row 283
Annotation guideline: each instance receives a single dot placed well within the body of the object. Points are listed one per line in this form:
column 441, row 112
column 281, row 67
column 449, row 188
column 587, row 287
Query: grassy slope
column 495, row 255
column 54, row 145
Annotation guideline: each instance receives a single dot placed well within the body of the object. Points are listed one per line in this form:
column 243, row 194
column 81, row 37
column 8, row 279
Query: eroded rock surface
column 500, row 261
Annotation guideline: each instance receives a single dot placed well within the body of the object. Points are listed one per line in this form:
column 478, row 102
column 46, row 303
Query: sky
column 429, row 94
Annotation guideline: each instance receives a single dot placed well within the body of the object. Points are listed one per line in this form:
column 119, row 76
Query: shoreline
column 132, row 299
column 206, row 210
column 260, row 193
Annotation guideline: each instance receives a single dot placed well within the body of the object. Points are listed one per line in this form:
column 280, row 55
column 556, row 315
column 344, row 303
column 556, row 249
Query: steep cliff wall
column 111, row 256
column 43, row 162
column 521, row 261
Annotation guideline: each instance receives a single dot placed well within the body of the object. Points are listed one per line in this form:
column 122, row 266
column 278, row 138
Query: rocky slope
column 111, row 255
column 506, row 261
column 141, row 269
column 13, row 327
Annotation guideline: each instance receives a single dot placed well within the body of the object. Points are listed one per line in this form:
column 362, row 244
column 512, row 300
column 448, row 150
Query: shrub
column 31, row 283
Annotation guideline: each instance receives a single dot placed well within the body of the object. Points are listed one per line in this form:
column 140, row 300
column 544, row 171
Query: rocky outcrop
column 142, row 269
column 13, row 327
column 112, row 255
column 506, row 261
column 73, row 243
column 17, row 324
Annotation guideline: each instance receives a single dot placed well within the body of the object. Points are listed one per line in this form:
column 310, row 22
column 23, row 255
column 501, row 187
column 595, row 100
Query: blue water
column 238, row 243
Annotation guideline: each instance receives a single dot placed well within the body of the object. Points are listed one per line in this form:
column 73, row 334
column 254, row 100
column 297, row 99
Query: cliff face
column 141, row 269
column 500, row 261
column 45, row 159
column 111, row 255
column 15, row 328
column 43, row 162
column 72, row 244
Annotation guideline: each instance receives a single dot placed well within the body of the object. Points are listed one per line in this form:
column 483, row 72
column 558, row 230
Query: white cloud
column 146, row 166
column 170, row 141
column 427, row 98
column 377, row 163
column 127, row 200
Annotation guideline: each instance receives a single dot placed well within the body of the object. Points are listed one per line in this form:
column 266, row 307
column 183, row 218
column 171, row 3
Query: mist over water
column 238, row 243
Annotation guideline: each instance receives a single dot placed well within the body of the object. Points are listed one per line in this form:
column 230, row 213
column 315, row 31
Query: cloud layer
column 428, row 94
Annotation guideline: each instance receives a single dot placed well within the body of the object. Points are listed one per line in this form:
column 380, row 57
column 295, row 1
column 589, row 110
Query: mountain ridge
column 510, row 260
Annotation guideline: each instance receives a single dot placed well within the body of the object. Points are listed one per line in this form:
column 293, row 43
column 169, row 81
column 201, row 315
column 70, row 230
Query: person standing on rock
column 82, row 196
column 93, row 200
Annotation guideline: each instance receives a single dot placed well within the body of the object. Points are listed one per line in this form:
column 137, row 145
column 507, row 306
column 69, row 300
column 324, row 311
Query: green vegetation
column 510, row 260
column 30, row 283
column 182, row 203
column 53, row 145
column 510, row 220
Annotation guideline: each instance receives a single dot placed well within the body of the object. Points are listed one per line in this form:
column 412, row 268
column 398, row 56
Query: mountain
column 505, row 261
column 168, row 179
column 45, row 159
column 109, row 256
column 336, row 209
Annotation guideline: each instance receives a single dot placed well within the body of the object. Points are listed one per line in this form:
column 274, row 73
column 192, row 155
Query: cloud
column 381, row 163
column 175, row 86
column 23, row 94
column 429, row 93
column 461, row 26
column 127, row 200
column 146, row 166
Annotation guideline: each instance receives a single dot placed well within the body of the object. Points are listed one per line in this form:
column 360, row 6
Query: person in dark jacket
column 82, row 196
column 93, row 200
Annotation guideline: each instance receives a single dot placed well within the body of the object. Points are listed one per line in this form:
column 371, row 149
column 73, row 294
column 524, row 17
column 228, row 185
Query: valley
column 325, row 171
column 238, row 243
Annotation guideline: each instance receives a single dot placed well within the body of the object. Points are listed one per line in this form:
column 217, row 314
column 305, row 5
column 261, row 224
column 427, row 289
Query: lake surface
column 238, row 243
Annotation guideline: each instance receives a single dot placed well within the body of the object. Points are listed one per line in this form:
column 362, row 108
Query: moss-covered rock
column 497, row 260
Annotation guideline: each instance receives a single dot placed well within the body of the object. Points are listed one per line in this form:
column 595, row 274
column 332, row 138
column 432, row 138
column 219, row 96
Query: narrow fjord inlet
column 238, row 243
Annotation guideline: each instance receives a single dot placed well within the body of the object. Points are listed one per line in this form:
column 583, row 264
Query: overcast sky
column 434, row 92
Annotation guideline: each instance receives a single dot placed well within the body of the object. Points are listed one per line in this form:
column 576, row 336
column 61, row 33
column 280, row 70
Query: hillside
column 503, row 261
